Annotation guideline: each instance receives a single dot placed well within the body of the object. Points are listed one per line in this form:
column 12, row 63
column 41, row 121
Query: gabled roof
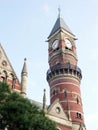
column 52, row 110
column 60, row 24
column 6, row 66
column 5, row 58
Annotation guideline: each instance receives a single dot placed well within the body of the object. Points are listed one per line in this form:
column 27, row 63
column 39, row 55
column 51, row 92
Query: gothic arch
column 4, row 73
column 11, row 75
column 67, row 65
column 65, row 93
column 4, row 76
column 13, row 80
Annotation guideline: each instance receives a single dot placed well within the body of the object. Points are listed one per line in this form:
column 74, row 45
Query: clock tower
column 64, row 77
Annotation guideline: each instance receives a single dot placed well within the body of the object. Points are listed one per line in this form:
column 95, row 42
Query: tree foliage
column 18, row 113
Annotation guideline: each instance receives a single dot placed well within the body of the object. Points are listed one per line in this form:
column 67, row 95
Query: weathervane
column 59, row 10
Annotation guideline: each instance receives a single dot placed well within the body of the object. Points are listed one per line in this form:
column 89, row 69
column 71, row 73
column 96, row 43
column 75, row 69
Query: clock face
column 68, row 43
column 55, row 44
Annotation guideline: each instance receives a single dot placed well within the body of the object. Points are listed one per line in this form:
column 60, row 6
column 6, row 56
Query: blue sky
column 24, row 28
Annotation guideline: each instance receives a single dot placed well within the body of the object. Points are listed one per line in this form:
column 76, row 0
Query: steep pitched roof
column 60, row 24
column 3, row 57
column 6, row 66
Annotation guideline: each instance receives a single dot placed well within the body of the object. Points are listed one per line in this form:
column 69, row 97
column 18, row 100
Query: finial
column 59, row 10
column 44, row 97
column 44, row 90
column 24, row 70
column 25, row 59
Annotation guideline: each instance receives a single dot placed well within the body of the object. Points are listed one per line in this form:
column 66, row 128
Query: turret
column 24, row 79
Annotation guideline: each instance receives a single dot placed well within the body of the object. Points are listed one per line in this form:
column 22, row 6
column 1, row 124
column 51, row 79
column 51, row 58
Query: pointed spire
column 44, row 102
column 24, row 70
column 60, row 24
column 24, row 79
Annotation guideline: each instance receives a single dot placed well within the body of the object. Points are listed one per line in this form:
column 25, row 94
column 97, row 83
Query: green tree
column 18, row 113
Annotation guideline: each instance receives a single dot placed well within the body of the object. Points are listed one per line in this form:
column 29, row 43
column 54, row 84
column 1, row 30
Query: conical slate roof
column 60, row 24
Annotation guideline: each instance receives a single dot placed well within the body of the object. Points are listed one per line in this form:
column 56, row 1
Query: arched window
column 77, row 99
column 2, row 79
column 65, row 93
column 79, row 115
column 67, row 65
column 13, row 80
column 55, row 91
column 3, row 76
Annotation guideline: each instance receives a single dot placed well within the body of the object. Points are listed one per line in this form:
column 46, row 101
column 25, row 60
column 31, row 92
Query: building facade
column 64, row 78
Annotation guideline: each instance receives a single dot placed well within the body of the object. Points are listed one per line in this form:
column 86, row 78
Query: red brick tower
column 64, row 76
